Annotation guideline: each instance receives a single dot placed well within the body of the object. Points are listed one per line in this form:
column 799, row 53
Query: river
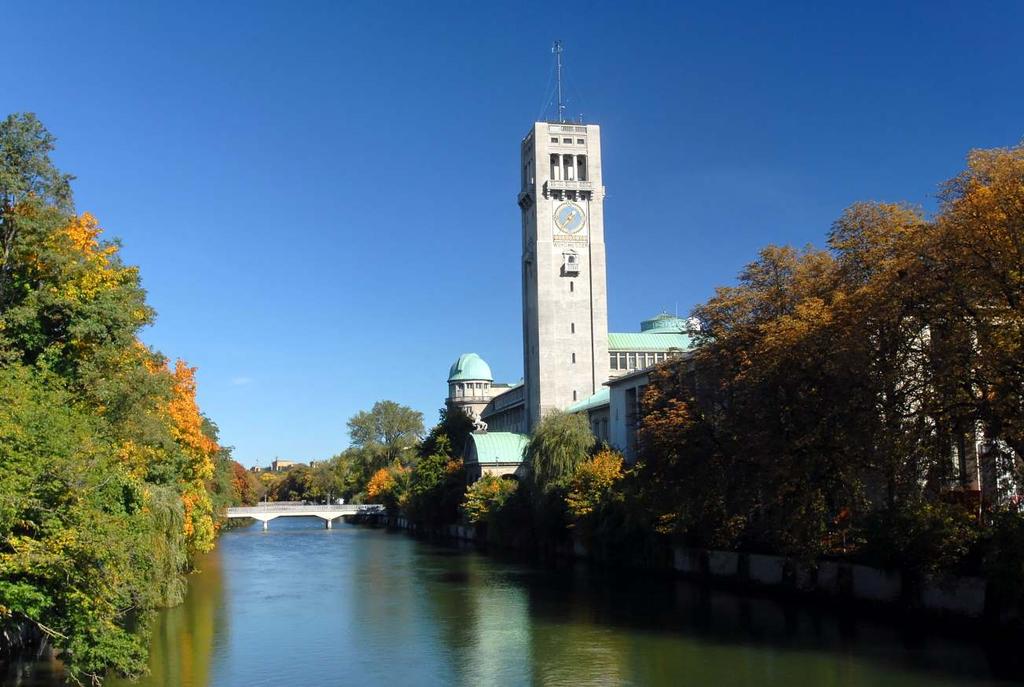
column 302, row 605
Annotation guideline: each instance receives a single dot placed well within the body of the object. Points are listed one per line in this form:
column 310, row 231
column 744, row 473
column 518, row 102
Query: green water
column 301, row 605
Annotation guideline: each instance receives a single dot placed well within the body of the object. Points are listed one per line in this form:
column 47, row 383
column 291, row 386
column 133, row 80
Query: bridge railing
column 296, row 508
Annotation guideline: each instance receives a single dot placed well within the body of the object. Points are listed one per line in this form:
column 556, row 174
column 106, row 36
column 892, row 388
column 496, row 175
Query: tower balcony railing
column 567, row 185
column 471, row 399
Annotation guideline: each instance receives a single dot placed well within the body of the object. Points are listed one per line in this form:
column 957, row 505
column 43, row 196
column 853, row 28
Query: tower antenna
column 556, row 48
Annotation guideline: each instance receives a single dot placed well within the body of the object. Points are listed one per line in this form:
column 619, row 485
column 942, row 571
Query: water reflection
column 184, row 637
column 304, row 605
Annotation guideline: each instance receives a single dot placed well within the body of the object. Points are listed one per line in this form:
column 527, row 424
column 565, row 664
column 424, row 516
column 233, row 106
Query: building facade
column 568, row 354
column 565, row 303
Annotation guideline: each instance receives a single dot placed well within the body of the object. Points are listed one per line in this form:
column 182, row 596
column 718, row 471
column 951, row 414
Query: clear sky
column 321, row 196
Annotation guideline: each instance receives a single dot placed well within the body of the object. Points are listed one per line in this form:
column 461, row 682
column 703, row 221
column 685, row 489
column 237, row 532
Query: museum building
column 571, row 361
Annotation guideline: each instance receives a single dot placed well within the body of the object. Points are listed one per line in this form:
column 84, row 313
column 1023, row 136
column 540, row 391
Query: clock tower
column 565, row 309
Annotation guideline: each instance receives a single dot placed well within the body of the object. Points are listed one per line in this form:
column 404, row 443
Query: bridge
column 265, row 512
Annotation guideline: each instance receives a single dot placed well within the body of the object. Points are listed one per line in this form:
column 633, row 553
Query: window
column 554, row 139
column 581, row 167
column 569, row 167
column 574, row 394
column 622, row 361
column 566, row 140
column 572, row 327
column 556, row 167
column 573, row 358
column 570, row 263
column 631, row 361
column 613, row 361
column 570, row 287
column 580, row 141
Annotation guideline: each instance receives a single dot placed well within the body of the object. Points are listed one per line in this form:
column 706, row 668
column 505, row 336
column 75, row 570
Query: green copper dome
column 664, row 323
column 470, row 366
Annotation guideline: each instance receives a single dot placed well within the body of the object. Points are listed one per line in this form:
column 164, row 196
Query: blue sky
column 321, row 195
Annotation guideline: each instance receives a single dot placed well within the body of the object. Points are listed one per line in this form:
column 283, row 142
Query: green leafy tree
column 436, row 486
column 29, row 184
column 558, row 445
column 387, row 432
column 79, row 537
column 455, row 427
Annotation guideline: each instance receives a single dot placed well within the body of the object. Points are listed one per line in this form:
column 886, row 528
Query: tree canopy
column 386, row 430
column 835, row 396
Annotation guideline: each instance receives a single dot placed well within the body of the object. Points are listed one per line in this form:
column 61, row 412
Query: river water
column 302, row 605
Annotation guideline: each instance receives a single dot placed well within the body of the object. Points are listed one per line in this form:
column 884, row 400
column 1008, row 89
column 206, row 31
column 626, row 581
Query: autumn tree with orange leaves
column 834, row 399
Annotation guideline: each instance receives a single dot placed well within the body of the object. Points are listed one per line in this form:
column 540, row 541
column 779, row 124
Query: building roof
column 470, row 366
column 596, row 401
column 499, row 447
column 664, row 323
column 647, row 341
column 617, row 381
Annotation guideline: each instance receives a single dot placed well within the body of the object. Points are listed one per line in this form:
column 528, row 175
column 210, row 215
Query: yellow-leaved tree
column 187, row 429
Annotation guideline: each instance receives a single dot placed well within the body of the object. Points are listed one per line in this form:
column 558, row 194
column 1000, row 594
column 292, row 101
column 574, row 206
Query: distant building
column 281, row 465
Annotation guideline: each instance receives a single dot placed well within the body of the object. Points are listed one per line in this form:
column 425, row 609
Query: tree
column 292, row 485
column 29, row 182
column 244, row 485
column 592, row 484
column 386, row 431
column 389, row 486
column 455, row 426
column 200, row 449
column 559, row 443
column 436, row 486
column 486, row 497
column 86, row 548
column 110, row 470
column 981, row 248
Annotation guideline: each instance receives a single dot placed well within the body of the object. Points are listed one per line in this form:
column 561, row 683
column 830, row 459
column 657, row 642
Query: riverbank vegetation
column 110, row 476
column 861, row 401
column 865, row 401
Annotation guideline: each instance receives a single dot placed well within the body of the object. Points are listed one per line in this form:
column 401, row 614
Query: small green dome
column 664, row 324
column 470, row 366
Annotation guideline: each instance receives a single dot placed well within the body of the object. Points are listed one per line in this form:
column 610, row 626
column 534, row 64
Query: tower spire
column 556, row 48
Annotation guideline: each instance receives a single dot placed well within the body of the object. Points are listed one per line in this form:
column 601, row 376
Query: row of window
column 568, row 141
column 469, row 389
column 563, row 168
column 635, row 361
column 568, row 167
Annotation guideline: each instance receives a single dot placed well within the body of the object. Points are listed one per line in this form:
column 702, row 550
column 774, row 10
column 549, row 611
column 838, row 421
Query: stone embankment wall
column 960, row 596
column 963, row 597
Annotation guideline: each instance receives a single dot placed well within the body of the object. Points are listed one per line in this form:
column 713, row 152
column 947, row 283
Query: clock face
column 569, row 218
